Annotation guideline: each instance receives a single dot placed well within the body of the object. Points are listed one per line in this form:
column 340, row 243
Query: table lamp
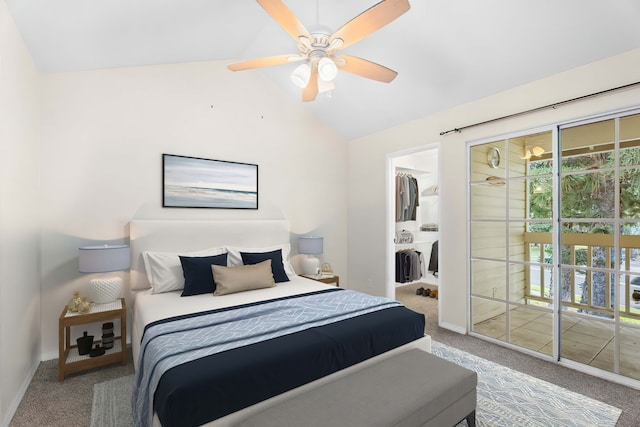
column 104, row 259
column 310, row 246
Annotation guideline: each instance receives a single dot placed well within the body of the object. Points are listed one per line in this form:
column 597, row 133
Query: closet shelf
column 400, row 169
column 416, row 242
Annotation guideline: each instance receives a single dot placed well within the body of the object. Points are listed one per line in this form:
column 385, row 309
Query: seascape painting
column 190, row 182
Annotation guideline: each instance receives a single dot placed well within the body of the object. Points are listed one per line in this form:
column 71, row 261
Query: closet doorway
column 413, row 218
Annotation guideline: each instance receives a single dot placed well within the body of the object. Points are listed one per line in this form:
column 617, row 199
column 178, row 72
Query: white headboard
column 187, row 236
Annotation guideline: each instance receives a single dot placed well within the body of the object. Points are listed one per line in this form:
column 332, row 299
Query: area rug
column 510, row 398
column 505, row 398
column 112, row 403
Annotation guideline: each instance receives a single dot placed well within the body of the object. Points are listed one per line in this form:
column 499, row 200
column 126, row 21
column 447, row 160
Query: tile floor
column 587, row 341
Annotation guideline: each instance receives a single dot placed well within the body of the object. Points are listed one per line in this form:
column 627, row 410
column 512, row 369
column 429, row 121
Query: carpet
column 505, row 398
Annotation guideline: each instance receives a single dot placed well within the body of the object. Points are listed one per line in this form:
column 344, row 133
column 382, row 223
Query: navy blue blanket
column 210, row 387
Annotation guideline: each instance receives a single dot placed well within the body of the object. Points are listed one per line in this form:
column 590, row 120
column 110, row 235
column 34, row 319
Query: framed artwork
column 191, row 182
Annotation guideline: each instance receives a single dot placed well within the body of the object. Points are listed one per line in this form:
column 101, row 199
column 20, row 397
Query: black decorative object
column 96, row 351
column 107, row 335
column 84, row 344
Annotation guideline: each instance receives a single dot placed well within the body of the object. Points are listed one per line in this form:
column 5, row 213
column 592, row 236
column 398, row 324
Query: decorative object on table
column 107, row 335
column 326, row 270
column 309, row 245
column 84, row 343
column 191, row 182
column 74, row 302
column 104, row 259
column 96, row 351
column 84, row 306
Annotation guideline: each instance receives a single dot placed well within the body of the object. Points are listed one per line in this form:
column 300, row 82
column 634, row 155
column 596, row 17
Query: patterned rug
column 505, row 398
column 510, row 398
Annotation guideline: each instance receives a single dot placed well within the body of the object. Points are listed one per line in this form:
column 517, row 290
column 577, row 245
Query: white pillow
column 235, row 259
column 164, row 270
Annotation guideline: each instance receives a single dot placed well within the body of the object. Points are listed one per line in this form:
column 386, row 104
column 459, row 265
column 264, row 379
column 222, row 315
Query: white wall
column 103, row 136
column 19, row 228
column 367, row 168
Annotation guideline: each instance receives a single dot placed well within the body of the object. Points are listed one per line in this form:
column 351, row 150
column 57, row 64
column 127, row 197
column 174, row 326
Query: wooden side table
column 70, row 360
column 325, row 279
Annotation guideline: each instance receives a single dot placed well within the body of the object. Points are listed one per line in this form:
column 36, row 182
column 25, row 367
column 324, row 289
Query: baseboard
column 454, row 328
column 11, row 410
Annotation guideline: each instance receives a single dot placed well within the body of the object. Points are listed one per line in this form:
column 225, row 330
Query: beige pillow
column 242, row 278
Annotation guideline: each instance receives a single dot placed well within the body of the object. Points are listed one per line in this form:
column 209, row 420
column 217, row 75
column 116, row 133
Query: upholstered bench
column 413, row 388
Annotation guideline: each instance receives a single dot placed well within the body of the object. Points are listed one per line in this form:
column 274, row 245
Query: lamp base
column 310, row 265
column 103, row 291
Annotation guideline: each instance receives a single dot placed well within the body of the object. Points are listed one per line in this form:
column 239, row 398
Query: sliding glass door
column 510, row 240
column 554, row 237
column 599, row 242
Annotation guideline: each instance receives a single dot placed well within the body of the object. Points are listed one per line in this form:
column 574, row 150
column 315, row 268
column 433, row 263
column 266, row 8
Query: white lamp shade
column 300, row 76
column 310, row 245
column 327, row 69
column 102, row 259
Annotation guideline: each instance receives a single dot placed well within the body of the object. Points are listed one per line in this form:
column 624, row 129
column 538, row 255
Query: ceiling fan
column 318, row 49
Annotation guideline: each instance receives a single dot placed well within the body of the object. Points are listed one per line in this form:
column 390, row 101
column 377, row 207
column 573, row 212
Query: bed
column 213, row 360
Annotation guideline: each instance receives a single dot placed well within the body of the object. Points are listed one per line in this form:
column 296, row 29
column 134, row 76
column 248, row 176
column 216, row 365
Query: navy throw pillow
column 198, row 277
column 277, row 268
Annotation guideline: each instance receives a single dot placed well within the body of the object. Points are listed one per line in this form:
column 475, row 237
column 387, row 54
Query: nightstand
column 324, row 279
column 69, row 360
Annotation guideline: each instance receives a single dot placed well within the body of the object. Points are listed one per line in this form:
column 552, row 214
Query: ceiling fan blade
column 310, row 92
column 365, row 68
column 370, row 20
column 285, row 18
column 264, row 62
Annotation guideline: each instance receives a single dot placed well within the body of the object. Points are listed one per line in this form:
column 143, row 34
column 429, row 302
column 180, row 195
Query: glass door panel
column 510, row 241
column 598, row 181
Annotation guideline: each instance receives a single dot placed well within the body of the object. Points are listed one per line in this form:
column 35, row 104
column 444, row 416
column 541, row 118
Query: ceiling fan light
column 527, row 154
column 327, row 69
column 300, row 76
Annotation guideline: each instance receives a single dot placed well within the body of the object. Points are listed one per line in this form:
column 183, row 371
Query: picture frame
column 194, row 182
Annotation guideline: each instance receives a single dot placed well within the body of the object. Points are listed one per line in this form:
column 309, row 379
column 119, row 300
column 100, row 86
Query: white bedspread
column 150, row 307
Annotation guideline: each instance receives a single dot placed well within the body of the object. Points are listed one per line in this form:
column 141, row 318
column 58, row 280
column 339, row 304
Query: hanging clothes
column 433, row 259
column 409, row 265
column 407, row 197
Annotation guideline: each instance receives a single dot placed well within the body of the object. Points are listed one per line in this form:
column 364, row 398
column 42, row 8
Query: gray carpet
column 505, row 398
column 50, row 403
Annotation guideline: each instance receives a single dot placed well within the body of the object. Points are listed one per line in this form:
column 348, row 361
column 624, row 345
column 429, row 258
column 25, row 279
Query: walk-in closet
column 415, row 204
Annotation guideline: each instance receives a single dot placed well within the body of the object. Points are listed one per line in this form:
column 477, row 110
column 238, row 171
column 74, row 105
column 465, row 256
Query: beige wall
column 19, row 215
column 103, row 136
column 368, row 160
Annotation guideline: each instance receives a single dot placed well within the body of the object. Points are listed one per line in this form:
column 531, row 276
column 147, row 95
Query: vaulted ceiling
column 445, row 52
